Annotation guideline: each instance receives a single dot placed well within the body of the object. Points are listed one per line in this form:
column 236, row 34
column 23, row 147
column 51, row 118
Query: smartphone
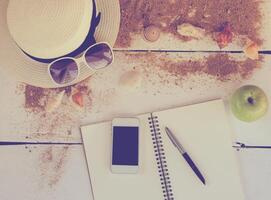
column 125, row 146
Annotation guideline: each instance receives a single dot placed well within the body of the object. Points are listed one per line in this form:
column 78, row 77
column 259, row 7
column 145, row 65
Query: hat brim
column 26, row 70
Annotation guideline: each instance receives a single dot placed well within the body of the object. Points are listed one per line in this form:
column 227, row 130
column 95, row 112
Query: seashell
column 54, row 101
column 189, row 30
column 152, row 33
column 252, row 51
column 131, row 80
column 77, row 99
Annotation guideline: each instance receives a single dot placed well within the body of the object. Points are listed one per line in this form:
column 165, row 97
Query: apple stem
column 251, row 100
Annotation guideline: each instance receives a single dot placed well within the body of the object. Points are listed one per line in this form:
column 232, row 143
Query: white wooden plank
column 25, row 175
column 109, row 99
column 46, row 172
column 255, row 169
column 169, row 42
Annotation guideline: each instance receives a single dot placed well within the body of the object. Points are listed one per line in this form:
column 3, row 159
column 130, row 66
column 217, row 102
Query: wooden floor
column 58, row 171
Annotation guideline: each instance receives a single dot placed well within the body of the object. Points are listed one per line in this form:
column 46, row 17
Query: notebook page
column 105, row 185
column 204, row 132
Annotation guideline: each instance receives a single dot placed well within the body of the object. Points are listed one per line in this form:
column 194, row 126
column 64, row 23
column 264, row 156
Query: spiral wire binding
column 160, row 157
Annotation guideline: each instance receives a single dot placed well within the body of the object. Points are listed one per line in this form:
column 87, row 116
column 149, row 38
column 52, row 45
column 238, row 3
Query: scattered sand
column 243, row 16
column 52, row 164
column 66, row 116
column 219, row 66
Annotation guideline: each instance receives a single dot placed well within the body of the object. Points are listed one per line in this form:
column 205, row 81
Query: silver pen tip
column 167, row 131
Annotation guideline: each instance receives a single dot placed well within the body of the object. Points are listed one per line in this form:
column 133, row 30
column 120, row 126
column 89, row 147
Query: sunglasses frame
column 81, row 60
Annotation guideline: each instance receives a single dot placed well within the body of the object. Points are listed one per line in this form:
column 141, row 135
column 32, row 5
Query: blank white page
column 204, row 132
column 105, row 185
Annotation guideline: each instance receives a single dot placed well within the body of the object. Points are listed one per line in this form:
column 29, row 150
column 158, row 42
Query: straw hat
column 35, row 32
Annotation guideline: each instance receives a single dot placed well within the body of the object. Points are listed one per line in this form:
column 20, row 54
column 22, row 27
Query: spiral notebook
column 163, row 173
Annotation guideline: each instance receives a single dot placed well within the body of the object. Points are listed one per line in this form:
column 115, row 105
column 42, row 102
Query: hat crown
column 49, row 28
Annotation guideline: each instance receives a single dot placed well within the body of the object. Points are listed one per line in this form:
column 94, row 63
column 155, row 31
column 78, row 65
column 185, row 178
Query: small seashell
column 131, row 80
column 224, row 37
column 77, row 99
column 54, row 101
column 252, row 51
column 152, row 33
column 189, row 30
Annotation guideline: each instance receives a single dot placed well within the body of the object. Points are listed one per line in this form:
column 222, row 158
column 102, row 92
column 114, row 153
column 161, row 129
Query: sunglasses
column 66, row 70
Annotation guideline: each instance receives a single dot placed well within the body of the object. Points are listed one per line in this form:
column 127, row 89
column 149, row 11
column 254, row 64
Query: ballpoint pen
column 181, row 149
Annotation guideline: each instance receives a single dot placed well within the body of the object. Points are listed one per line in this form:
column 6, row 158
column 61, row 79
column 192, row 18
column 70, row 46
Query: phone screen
column 125, row 146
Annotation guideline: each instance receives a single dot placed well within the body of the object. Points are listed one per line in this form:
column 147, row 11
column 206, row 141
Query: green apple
column 249, row 103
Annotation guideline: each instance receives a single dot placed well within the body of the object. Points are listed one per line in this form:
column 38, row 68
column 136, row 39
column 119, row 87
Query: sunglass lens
column 64, row 71
column 99, row 56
